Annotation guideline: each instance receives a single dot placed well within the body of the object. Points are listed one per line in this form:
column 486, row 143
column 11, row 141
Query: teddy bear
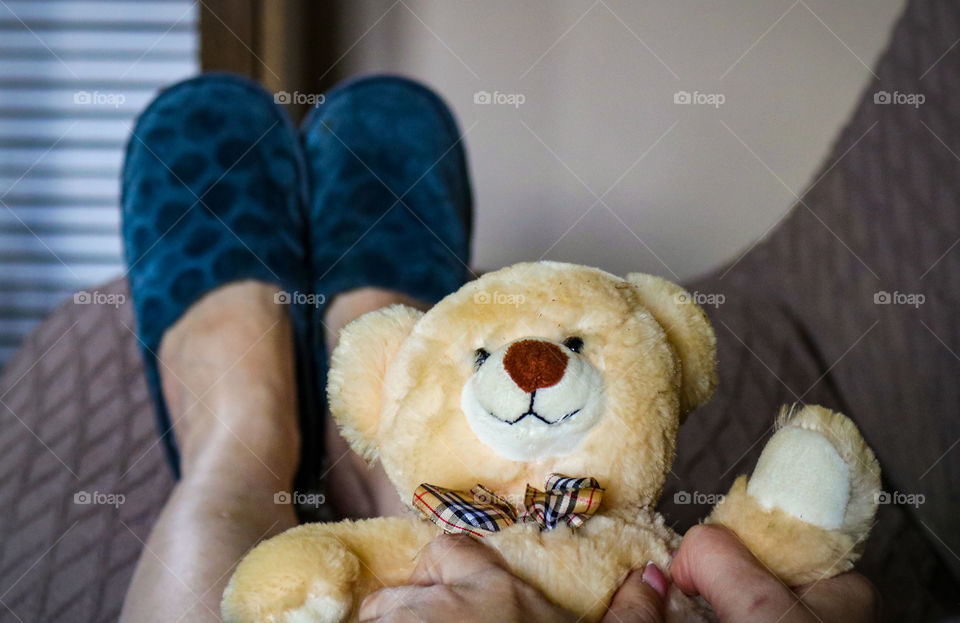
column 537, row 409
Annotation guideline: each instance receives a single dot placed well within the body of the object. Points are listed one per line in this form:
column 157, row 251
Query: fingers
column 846, row 597
column 445, row 561
column 459, row 579
column 640, row 598
column 448, row 559
column 714, row 563
column 386, row 600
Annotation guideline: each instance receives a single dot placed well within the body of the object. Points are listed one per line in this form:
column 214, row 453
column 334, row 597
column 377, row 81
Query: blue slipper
column 213, row 192
column 390, row 200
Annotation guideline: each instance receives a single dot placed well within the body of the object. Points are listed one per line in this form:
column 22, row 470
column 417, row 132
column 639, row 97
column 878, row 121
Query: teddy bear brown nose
column 533, row 364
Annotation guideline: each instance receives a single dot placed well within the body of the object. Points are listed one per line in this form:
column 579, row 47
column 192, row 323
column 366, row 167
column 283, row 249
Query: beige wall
column 679, row 192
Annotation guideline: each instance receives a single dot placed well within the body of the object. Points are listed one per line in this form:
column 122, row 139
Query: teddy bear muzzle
column 533, row 398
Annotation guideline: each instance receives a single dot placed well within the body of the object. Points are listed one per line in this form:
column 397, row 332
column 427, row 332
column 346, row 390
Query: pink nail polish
column 653, row 576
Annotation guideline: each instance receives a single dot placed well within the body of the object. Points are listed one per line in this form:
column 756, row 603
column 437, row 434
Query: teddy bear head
column 535, row 369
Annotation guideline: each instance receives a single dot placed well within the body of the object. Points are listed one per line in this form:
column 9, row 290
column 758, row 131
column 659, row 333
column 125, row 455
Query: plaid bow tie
column 479, row 511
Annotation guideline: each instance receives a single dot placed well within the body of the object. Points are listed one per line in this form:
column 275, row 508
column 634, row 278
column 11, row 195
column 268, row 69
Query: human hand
column 459, row 579
column 714, row 563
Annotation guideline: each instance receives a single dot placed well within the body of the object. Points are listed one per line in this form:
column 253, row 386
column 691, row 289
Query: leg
column 349, row 473
column 390, row 219
column 227, row 372
column 212, row 214
column 809, row 506
column 325, row 569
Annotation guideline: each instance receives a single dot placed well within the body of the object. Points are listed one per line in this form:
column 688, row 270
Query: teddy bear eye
column 479, row 356
column 574, row 343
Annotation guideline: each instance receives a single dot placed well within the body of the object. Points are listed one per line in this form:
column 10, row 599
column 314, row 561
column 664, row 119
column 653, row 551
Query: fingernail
column 654, row 577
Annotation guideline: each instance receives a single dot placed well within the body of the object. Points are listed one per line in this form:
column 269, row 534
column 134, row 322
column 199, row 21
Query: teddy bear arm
column 321, row 572
column 809, row 505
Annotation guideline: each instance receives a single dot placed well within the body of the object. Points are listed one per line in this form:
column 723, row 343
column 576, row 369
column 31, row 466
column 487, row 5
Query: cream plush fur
column 444, row 397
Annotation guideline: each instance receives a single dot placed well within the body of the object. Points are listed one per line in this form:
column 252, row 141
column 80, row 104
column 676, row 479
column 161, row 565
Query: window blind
column 73, row 77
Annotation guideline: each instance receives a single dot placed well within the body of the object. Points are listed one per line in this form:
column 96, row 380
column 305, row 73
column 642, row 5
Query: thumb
column 714, row 563
column 640, row 598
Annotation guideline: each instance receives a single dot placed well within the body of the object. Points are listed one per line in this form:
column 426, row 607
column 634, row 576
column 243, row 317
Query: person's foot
column 212, row 194
column 227, row 373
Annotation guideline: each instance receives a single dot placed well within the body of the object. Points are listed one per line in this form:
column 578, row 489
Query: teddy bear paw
column 302, row 575
column 314, row 609
column 818, row 469
column 809, row 505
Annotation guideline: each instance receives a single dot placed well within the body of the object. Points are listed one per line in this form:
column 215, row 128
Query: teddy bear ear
column 690, row 334
column 357, row 369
